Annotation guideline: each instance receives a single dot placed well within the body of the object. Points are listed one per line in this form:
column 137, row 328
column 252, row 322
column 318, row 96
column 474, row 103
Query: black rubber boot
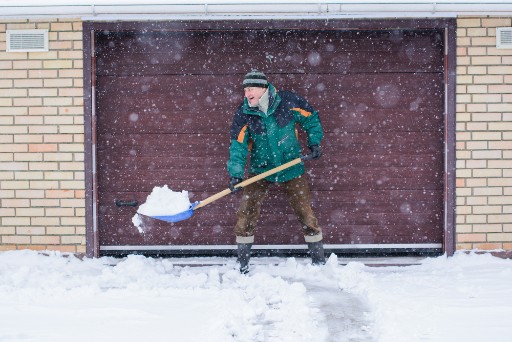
column 244, row 254
column 316, row 251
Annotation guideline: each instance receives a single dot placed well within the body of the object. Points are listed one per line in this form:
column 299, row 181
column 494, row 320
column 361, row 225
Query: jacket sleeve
column 309, row 120
column 238, row 149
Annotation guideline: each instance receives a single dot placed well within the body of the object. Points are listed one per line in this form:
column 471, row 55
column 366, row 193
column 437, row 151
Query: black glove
column 232, row 182
column 316, row 151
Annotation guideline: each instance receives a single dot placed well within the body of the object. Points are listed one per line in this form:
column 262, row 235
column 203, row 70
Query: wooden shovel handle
column 247, row 182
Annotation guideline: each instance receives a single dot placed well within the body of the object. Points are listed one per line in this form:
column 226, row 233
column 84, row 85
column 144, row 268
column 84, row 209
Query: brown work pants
column 297, row 191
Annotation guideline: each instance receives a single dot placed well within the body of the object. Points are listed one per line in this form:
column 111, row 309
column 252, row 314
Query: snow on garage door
column 164, row 103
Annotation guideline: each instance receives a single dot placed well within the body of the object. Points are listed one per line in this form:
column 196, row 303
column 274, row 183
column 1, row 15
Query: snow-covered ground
column 55, row 297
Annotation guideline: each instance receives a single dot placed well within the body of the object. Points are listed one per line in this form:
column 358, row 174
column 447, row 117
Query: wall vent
column 27, row 40
column 504, row 37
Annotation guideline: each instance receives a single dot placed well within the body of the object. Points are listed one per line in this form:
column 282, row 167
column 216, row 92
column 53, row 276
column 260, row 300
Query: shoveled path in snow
column 345, row 315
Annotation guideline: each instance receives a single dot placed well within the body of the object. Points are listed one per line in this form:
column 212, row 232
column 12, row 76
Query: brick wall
column 484, row 135
column 41, row 140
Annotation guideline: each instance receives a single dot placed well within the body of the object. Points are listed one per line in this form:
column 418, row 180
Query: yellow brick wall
column 42, row 140
column 484, row 135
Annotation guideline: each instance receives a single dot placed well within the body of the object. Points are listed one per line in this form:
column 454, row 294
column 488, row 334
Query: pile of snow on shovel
column 161, row 202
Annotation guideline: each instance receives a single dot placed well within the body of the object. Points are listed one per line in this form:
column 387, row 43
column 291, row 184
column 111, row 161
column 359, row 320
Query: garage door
column 164, row 103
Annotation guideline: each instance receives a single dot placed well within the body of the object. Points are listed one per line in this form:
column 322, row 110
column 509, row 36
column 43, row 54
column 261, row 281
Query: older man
column 264, row 125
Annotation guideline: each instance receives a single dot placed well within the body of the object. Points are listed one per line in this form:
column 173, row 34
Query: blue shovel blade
column 179, row 216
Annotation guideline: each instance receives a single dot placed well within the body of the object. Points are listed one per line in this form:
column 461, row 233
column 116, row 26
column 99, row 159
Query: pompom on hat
column 255, row 78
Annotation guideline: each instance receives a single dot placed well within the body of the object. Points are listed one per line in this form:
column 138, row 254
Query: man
column 264, row 125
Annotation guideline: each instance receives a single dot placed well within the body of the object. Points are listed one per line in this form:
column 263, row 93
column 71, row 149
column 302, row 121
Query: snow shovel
column 198, row 204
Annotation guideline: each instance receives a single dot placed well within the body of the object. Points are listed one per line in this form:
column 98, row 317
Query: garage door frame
column 448, row 25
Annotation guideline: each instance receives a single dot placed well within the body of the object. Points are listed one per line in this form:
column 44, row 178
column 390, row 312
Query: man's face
column 254, row 94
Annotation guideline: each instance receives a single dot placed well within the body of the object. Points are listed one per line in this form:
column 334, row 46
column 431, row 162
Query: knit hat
column 255, row 79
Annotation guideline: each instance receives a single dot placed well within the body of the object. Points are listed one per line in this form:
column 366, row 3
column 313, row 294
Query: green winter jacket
column 271, row 138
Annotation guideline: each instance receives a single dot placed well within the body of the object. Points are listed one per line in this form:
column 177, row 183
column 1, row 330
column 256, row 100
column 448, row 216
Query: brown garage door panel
column 136, row 64
column 355, row 118
column 215, row 90
column 176, row 155
column 365, row 179
column 193, row 232
column 333, row 197
column 179, row 88
column 284, row 231
column 207, row 145
column 367, row 200
column 361, row 202
column 225, row 52
column 388, row 171
column 219, row 42
column 340, row 165
column 324, row 179
column 344, row 105
column 165, row 101
column 165, row 145
column 378, row 138
column 370, row 180
column 222, row 88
